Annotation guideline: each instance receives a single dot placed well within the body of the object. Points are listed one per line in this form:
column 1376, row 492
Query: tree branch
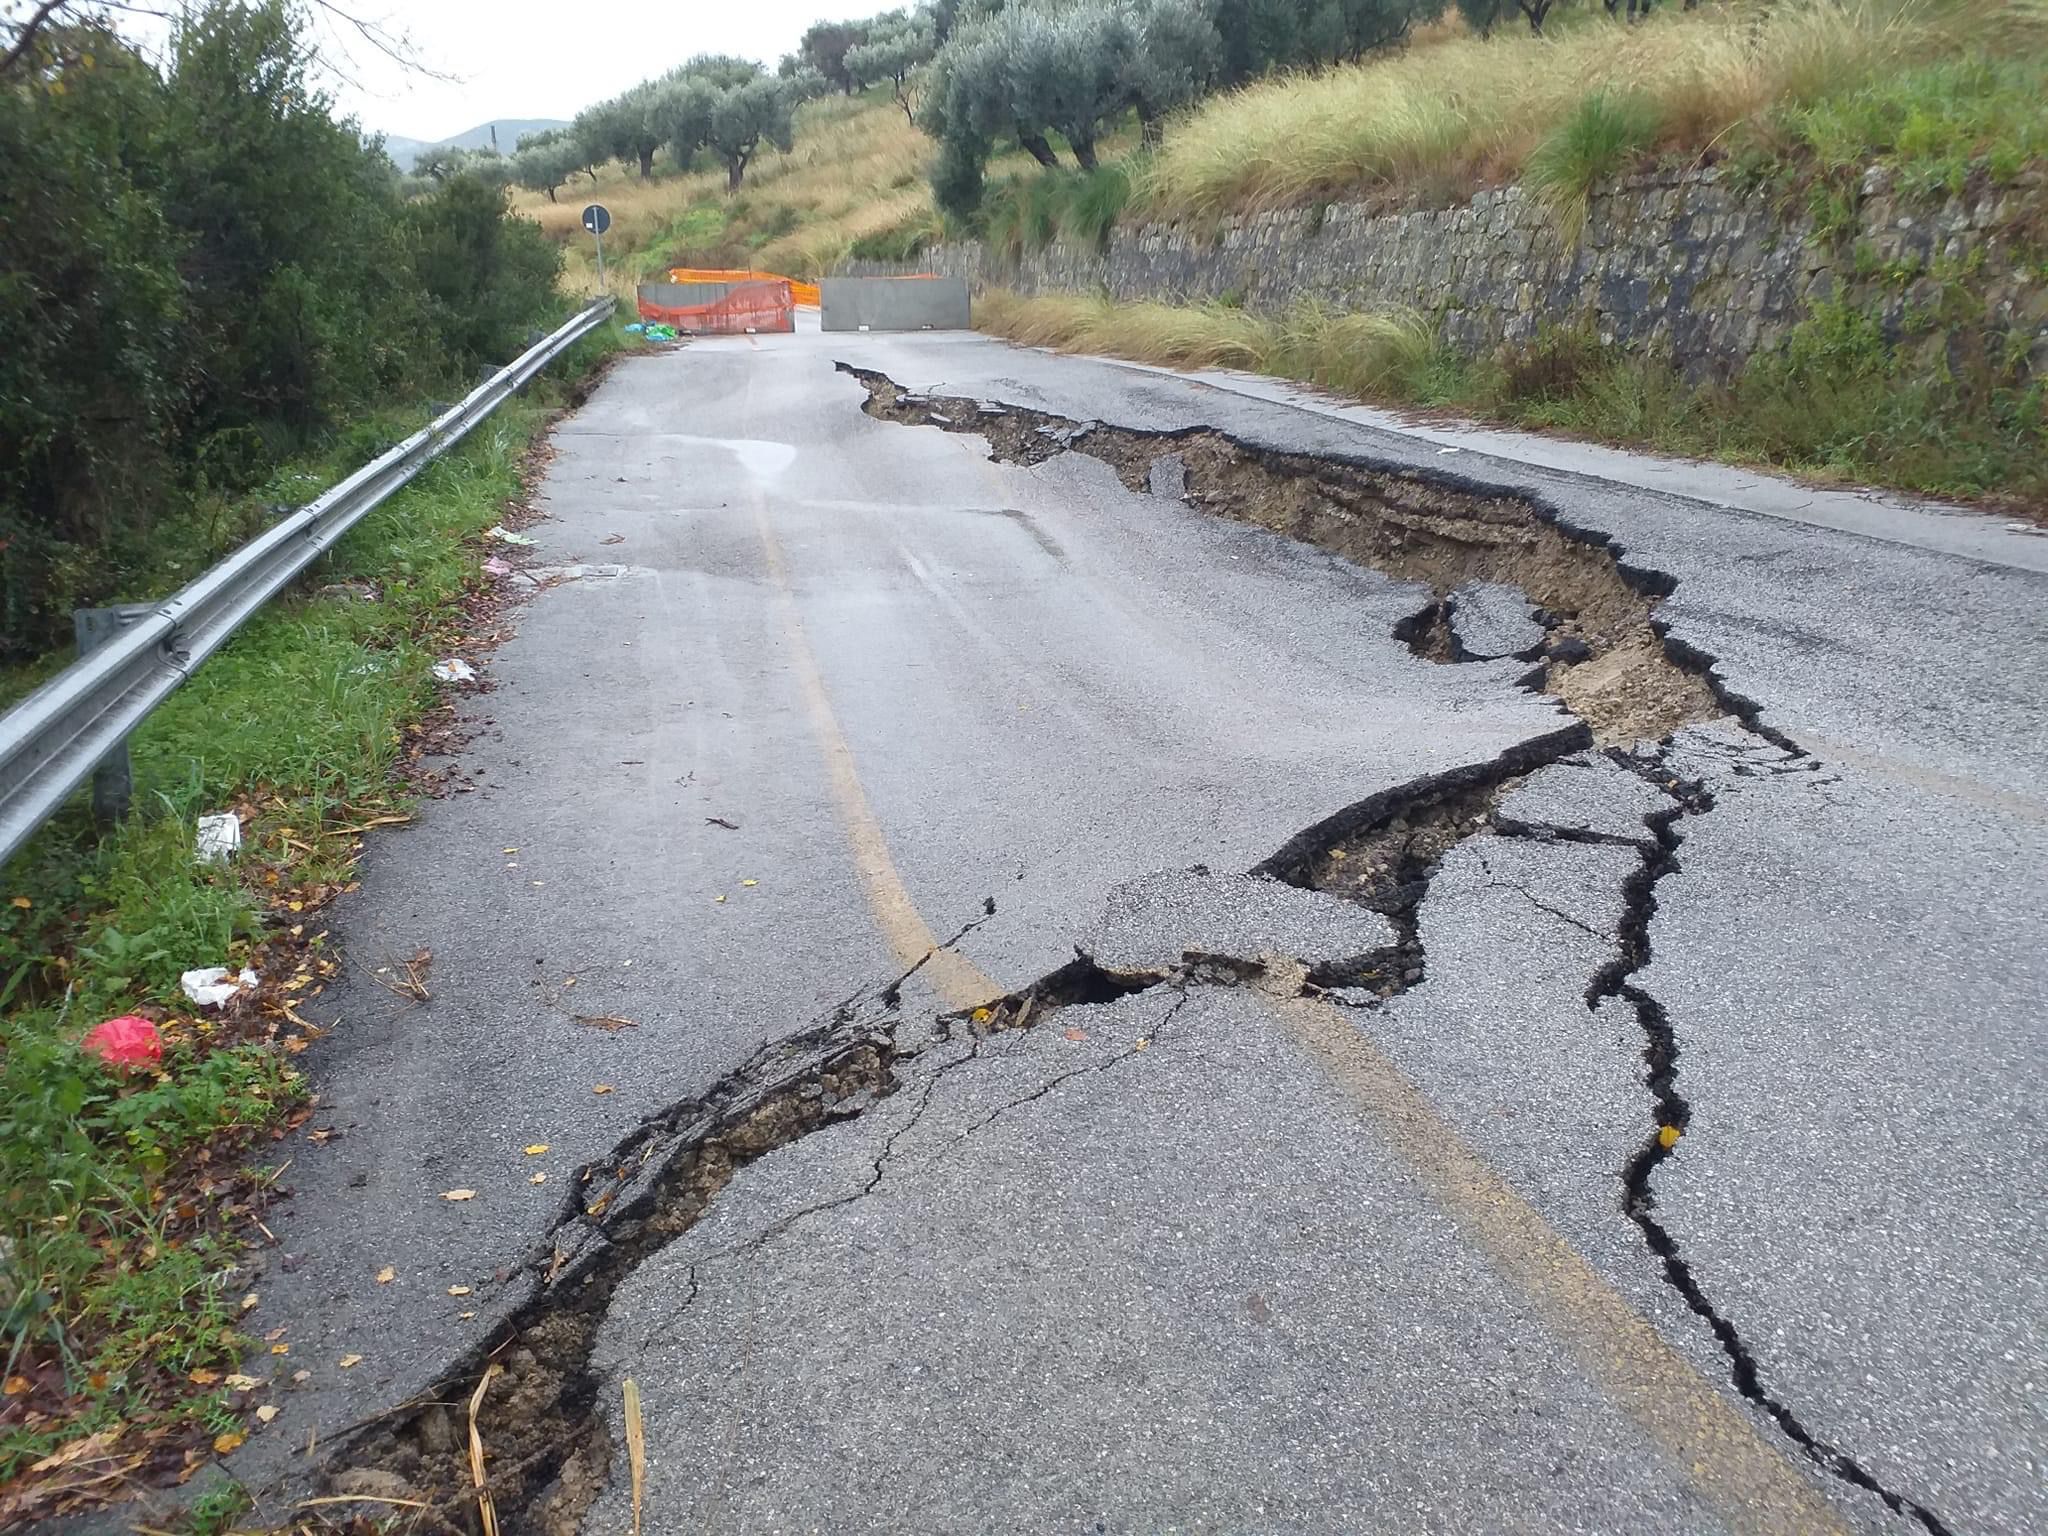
column 26, row 37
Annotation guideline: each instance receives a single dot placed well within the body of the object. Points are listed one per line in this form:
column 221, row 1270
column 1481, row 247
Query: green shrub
column 485, row 277
column 1599, row 138
column 205, row 276
column 1027, row 213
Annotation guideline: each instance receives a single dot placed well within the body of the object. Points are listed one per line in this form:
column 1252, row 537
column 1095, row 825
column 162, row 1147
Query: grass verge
column 125, row 1198
column 1840, row 400
column 1432, row 123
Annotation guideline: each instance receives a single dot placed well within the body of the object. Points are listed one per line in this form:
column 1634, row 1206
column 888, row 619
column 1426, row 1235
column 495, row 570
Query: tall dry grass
column 1367, row 354
column 1466, row 111
column 855, row 168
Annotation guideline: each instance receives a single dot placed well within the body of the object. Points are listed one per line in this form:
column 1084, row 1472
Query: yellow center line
column 959, row 982
column 1747, row 1480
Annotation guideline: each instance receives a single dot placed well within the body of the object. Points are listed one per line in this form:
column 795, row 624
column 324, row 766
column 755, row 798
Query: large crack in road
column 1603, row 656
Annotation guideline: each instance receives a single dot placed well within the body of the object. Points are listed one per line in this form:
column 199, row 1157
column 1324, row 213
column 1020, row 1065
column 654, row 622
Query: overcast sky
column 523, row 58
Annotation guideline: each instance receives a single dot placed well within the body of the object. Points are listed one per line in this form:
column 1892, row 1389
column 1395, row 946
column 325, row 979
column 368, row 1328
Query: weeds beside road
column 1838, row 401
column 124, row 1200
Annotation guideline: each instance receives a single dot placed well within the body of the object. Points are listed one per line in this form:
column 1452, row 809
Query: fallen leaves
column 458, row 1194
column 89, row 1447
column 266, row 1413
column 602, row 1088
column 538, row 1178
column 349, row 1362
column 199, row 1378
column 1076, row 1034
column 386, row 1275
column 225, row 1444
column 1667, row 1136
column 249, row 1301
column 17, row 1386
column 237, row 1382
column 536, row 1149
column 458, row 1290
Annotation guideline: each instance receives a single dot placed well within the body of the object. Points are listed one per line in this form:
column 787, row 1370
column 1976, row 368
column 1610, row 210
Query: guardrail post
column 113, row 780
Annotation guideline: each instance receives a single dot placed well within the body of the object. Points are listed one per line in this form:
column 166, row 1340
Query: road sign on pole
column 597, row 219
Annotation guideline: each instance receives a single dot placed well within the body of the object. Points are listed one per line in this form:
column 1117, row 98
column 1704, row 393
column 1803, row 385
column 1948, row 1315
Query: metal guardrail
column 54, row 738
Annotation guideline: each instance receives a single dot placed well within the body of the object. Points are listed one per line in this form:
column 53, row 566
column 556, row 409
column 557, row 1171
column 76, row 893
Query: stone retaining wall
column 1680, row 261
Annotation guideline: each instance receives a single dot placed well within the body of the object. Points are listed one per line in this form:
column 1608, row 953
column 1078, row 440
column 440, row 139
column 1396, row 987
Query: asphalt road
column 805, row 700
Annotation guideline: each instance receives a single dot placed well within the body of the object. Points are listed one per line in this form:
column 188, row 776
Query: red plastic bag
column 125, row 1042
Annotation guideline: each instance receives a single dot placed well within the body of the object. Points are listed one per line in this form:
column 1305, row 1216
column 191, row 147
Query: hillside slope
column 855, row 176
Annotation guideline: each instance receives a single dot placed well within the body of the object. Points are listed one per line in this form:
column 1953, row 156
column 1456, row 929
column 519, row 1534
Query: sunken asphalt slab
column 1194, row 1288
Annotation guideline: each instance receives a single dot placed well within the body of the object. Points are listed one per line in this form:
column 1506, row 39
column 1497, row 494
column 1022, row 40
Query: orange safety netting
column 750, row 306
column 805, row 294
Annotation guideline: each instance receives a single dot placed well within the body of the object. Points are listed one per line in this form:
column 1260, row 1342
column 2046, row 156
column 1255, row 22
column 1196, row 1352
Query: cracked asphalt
column 1207, row 1246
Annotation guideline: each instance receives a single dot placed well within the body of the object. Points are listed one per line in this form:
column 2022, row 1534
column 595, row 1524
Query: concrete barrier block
column 893, row 304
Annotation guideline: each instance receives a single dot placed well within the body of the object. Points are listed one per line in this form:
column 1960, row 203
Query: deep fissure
column 1673, row 1115
column 551, row 1455
column 1605, row 657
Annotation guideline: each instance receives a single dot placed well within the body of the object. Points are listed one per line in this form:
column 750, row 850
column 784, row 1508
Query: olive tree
column 1068, row 68
column 625, row 128
column 1173, row 56
column 730, row 107
column 899, row 44
column 825, row 47
column 445, row 162
column 543, row 161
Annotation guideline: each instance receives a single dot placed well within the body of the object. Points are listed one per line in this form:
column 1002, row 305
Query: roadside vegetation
column 1026, row 122
column 1432, row 124
column 126, row 1197
column 205, row 278
column 216, row 300
column 1841, row 400
column 1918, row 383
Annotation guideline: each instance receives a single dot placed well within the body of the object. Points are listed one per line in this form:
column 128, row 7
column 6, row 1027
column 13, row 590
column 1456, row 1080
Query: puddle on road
column 760, row 458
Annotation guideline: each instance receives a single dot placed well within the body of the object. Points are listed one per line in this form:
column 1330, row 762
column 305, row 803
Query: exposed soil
column 1606, row 658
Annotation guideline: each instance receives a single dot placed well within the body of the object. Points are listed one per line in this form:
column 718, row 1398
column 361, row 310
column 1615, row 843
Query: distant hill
column 509, row 129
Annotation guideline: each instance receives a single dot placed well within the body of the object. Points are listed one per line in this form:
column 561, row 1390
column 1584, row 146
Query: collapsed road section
column 1601, row 653
column 1596, row 648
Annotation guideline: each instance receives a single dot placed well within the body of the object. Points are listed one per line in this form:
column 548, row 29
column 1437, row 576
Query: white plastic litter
column 505, row 535
column 213, row 985
column 454, row 670
column 496, row 567
column 219, row 838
